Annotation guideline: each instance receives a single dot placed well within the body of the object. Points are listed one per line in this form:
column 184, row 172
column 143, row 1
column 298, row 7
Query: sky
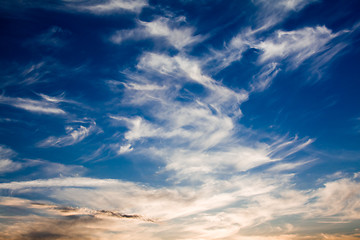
column 184, row 119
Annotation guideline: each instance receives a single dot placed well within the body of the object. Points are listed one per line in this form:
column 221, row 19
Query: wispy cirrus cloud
column 55, row 37
column 6, row 164
column 176, row 35
column 47, row 169
column 93, row 6
column 36, row 106
column 264, row 78
column 74, row 135
column 28, row 74
column 283, row 50
column 295, row 46
column 197, row 130
column 272, row 12
column 109, row 6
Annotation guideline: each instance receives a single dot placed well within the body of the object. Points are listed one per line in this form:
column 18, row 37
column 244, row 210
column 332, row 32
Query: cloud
column 53, row 99
column 36, row 106
column 146, row 201
column 6, row 152
column 221, row 179
column 221, row 208
column 61, row 210
column 141, row 87
column 280, row 50
column 179, row 66
column 225, row 205
column 6, row 164
column 194, row 133
column 45, row 70
column 296, row 46
column 177, row 36
column 198, row 130
column 74, row 136
column 282, row 148
column 263, row 79
column 61, row 182
column 46, row 169
column 287, row 166
column 109, row 6
column 51, row 221
column 125, row 149
column 54, row 37
column 343, row 194
column 292, row 47
column 273, row 12
column 34, row 73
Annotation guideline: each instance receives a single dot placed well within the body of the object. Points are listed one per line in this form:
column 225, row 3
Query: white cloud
column 110, row 6
column 199, row 136
column 282, row 49
column 263, row 80
column 6, row 152
column 180, row 66
column 296, row 46
column 123, row 35
column 6, row 164
column 34, row 73
column 144, row 87
column 200, row 165
column 46, row 169
column 42, row 107
column 138, row 128
column 74, row 135
column 177, row 36
column 57, row 99
column 337, row 200
column 125, row 149
column 287, row 166
column 271, row 12
column 146, row 201
column 61, row 182
column 283, row 149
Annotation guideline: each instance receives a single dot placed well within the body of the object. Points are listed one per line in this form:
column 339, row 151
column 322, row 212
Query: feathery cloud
column 177, row 36
column 74, row 135
column 109, row 6
column 37, row 106
column 6, row 164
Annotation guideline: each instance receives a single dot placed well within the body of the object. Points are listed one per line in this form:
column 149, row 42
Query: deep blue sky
column 180, row 119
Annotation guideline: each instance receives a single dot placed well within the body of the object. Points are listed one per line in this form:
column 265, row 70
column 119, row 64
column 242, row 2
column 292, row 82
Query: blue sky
column 135, row 119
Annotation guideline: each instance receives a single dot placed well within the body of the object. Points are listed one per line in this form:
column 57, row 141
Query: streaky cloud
column 109, row 6
column 74, row 136
column 179, row 37
column 296, row 45
column 36, row 106
column 272, row 12
column 6, row 163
